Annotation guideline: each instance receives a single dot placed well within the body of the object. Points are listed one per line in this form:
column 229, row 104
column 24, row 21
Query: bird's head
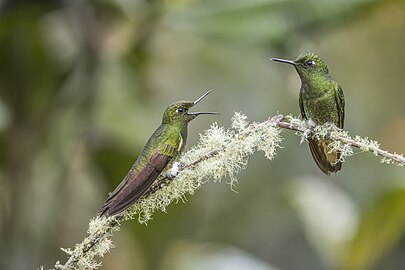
column 307, row 65
column 178, row 112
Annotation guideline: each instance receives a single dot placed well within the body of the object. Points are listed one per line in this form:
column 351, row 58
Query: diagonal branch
column 218, row 154
column 333, row 133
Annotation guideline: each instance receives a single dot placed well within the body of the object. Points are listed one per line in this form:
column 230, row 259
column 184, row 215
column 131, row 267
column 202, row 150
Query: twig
column 334, row 133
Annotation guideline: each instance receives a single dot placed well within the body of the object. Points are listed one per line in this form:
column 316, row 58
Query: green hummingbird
column 159, row 153
column 321, row 101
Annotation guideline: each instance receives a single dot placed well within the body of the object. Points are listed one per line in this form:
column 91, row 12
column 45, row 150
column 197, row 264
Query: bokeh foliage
column 84, row 83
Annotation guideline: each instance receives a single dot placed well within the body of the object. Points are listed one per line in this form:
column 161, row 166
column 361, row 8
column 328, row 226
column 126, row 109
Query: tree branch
column 333, row 133
column 218, row 154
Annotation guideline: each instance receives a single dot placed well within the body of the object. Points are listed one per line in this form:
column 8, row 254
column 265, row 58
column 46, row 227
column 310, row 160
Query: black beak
column 283, row 61
column 198, row 100
column 198, row 113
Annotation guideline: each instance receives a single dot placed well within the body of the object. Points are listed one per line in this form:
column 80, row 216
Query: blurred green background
column 84, row 84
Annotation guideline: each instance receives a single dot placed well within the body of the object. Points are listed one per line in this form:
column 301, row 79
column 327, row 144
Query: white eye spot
column 310, row 63
column 180, row 110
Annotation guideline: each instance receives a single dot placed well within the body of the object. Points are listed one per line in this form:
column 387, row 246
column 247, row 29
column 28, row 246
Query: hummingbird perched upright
column 321, row 101
column 162, row 148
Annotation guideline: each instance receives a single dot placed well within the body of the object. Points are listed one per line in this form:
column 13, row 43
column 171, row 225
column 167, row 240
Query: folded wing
column 136, row 183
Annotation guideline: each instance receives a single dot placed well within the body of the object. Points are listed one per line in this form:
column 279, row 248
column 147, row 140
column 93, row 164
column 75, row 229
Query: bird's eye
column 310, row 63
column 181, row 110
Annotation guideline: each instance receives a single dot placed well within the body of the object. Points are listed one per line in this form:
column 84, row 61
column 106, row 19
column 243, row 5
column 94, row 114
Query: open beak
column 283, row 61
column 198, row 113
column 198, row 100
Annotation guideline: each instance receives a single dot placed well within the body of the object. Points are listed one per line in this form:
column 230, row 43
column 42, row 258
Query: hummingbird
column 159, row 153
column 321, row 101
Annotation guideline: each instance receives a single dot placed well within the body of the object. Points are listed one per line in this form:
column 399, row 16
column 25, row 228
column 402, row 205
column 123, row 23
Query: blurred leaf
column 262, row 20
column 380, row 229
column 189, row 256
column 328, row 215
column 30, row 78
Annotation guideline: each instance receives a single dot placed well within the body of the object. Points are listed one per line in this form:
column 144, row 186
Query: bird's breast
column 321, row 109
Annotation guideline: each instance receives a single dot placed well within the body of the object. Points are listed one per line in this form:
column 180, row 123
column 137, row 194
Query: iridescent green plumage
column 321, row 101
column 162, row 148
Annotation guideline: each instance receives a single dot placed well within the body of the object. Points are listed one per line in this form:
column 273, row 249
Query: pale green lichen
column 220, row 153
column 227, row 152
column 341, row 141
column 95, row 245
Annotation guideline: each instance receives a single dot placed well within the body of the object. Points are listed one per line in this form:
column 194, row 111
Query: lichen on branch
column 220, row 153
column 340, row 139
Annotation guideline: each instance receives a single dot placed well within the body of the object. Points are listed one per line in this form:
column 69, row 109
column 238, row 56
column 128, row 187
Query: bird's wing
column 117, row 189
column 301, row 102
column 326, row 161
column 340, row 102
column 136, row 183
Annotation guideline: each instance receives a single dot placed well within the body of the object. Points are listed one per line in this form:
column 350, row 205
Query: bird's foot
column 311, row 123
column 174, row 171
column 308, row 131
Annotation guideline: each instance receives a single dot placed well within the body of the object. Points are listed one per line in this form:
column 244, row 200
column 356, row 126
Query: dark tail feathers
column 327, row 162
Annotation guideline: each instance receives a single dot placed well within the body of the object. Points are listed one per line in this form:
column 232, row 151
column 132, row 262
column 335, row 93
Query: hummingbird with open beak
column 321, row 101
column 159, row 153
